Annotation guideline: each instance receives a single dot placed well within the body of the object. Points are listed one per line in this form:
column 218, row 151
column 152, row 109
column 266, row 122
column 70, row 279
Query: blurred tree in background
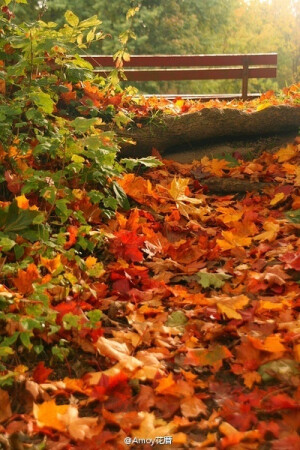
column 191, row 27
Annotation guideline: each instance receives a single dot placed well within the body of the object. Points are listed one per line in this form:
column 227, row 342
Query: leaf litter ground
column 199, row 333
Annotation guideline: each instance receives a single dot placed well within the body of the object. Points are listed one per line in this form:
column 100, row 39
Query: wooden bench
column 194, row 67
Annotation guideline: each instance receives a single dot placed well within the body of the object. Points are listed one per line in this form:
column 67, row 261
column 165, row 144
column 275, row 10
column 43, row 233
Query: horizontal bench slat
column 195, row 74
column 185, row 60
column 205, row 97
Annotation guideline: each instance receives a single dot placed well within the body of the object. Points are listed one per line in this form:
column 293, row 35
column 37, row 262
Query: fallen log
column 208, row 123
column 218, row 185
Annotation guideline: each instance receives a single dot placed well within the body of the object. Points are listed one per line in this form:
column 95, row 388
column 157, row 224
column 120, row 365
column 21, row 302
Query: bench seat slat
column 185, row 60
column 195, row 74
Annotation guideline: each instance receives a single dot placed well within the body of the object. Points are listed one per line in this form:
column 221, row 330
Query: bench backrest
column 192, row 67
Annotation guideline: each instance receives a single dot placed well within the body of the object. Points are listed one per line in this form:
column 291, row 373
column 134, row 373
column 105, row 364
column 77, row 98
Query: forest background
column 192, row 27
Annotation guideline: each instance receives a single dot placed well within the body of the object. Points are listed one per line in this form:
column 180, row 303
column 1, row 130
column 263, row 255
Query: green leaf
column 71, row 18
column 216, row 280
column 94, row 316
column 91, row 22
column 176, row 319
column 6, row 351
column 293, row 216
column 121, row 196
column 82, row 125
column 25, row 339
column 16, row 220
column 149, row 161
column 281, row 369
column 43, row 101
column 6, row 244
column 60, row 352
column 71, row 321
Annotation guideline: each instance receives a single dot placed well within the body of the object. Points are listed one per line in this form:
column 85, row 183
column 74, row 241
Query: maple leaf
column 65, row 418
column 47, row 414
column 229, row 305
column 213, row 356
column 127, row 245
column 51, row 264
column 153, row 427
column 272, row 229
column 25, row 278
column 5, row 408
column 216, row 280
column 73, row 233
column 292, row 260
column 214, row 166
column 118, row 351
column 192, row 407
column 233, row 240
column 271, row 344
column 41, row 373
column 287, row 153
column 22, row 202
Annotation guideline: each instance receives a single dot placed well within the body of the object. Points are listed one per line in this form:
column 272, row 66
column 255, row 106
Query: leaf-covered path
column 198, row 339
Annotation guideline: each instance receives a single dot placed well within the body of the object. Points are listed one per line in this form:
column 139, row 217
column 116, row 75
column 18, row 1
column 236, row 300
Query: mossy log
column 229, row 186
column 209, row 123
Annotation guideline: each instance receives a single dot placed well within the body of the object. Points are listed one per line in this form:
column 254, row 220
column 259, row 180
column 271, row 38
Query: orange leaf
column 233, row 240
column 51, row 264
column 250, row 378
column 271, row 344
column 25, row 278
column 287, row 153
column 47, row 415
column 277, row 198
column 5, row 409
column 73, row 232
column 165, row 383
column 192, row 407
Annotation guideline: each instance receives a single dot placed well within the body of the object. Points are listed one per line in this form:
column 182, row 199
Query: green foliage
column 293, row 216
column 58, row 174
column 176, row 319
column 216, row 280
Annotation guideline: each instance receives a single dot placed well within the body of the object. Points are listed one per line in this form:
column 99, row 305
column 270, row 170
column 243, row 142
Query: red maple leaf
column 41, row 373
column 126, row 245
column 292, row 260
column 73, row 232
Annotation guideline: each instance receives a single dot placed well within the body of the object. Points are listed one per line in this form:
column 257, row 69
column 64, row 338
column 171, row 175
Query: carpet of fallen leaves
column 199, row 338
column 142, row 108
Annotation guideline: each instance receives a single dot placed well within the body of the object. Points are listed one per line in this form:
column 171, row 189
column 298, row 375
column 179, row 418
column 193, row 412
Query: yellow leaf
column 165, row 383
column 287, row 153
column 153, row 427
column 90, row 261
column 47, row 415
column 267, row 305
column 119, row 351
column 22, row 202
column 51, row 264
column 250, row 378
column 229, row 305
column 271, row 344
column 297, row 352
column 263, row 106
column 233, row 240
column 277, row 198
column 20, row 369
column 178, row 187
column 192, row 407
column 229, row 312
column 214, row 166
column 229, row 215
column 272, row 229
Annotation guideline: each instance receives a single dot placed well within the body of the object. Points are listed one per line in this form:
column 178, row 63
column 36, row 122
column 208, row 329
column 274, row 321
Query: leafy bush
column 58, row 179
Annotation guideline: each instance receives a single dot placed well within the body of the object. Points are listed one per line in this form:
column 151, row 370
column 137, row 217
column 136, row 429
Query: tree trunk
column 208, row 123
